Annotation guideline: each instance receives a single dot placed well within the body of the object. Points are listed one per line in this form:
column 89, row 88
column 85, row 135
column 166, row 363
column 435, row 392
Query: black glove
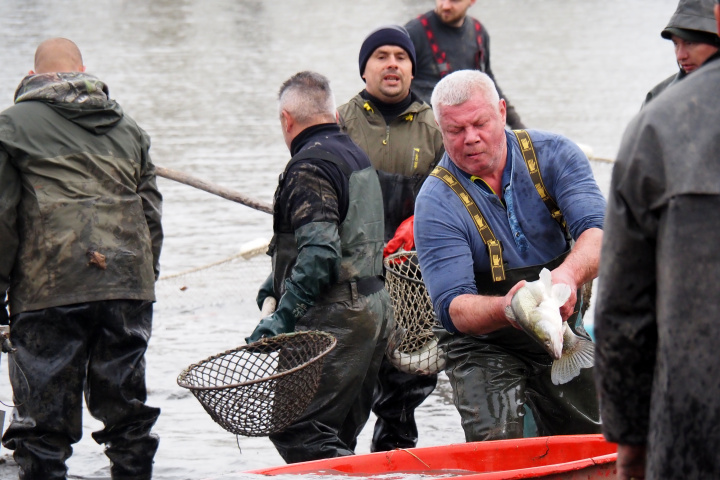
column 289, row 310
column 266, row 290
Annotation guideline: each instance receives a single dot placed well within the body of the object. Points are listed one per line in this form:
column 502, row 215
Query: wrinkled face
column 691, row 55
column 474, row 135
column 452, row 12
column 388, row 73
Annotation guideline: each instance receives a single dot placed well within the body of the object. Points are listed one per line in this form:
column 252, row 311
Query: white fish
column 536, row 309
column 425, row 361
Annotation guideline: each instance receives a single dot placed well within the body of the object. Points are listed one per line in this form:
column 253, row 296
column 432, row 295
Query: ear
column 31, row 72
column 289, row 120
column 82, row 69
column 717, row 16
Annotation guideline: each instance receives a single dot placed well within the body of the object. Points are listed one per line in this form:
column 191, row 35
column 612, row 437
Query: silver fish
column 536, row 309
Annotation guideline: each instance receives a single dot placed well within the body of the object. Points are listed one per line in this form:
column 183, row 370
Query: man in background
column 692, row 31
column 656, row 322
column 81, row 237
column 448, row 39
column 327, row 268
column 398, row 132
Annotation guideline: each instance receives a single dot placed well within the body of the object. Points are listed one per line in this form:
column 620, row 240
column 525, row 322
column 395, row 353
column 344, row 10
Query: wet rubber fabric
column 97, row 348
column 333, row 420
column 494, row 376
column 397, row 395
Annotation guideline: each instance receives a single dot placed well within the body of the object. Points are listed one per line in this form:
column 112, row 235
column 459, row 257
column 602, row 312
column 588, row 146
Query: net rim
column 317, row 357
column 390, row 264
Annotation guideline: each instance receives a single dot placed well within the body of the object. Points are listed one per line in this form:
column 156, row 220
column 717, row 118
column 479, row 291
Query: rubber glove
column 289, row 310
column 403, row 238
column 266, row 290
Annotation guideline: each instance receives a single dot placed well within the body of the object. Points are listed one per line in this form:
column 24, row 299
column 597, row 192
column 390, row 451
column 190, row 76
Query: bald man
column 81, row 237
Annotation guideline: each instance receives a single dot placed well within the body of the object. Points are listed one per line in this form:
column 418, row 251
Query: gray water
column 201, row 77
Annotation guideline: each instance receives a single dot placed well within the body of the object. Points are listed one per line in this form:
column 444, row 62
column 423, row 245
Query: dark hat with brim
column 693, row 21
column 692, row 35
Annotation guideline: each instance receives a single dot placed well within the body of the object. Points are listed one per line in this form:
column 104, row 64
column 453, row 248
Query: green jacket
column 79, row 205
column 403, row 152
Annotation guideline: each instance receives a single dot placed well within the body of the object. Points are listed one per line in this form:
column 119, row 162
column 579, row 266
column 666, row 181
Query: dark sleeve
column 312, row 204
column 151, row 201
column 9, row 199
column 625, row 317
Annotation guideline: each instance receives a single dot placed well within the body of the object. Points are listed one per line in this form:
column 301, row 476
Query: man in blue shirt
column 474, row 256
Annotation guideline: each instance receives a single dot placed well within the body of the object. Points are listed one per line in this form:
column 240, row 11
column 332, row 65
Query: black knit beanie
column 387, row 35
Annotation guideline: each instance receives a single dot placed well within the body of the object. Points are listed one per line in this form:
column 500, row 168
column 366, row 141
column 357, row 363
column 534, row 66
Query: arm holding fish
column 445, row 244
column 482, row 314
column 580, row 267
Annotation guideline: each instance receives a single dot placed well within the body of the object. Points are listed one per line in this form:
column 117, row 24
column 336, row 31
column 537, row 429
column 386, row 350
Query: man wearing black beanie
column 398, row 132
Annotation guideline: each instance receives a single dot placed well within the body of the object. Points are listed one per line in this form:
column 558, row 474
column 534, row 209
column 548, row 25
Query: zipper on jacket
column 387, row 135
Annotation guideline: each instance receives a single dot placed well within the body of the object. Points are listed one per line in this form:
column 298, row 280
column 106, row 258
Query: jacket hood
column 694, row 15
column 81, row 98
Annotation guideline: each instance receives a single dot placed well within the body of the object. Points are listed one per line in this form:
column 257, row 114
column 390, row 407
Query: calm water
column 201, row 77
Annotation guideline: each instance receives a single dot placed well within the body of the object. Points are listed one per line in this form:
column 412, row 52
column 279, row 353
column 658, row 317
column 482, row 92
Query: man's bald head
column 58, row 55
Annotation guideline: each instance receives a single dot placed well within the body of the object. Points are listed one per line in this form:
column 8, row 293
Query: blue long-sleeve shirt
column 449, row 247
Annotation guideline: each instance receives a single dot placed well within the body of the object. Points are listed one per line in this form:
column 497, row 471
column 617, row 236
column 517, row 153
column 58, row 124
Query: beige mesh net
column 258, row 389
column 415, row 349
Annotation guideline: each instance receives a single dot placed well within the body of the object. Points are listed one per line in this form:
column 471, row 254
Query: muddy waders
column 97, row 348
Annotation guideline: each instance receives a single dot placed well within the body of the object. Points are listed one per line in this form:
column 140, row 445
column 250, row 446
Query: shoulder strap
column 441, row 62
column 528, row 153
column 488, row 237
column 480, row 55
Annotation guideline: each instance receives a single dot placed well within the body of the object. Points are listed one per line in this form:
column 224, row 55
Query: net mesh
column 415, row 349
column 258, row 389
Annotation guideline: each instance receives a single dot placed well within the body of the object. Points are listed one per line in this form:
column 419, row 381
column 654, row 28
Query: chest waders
column 356, row 310
column 494, row 375
column 441, row 62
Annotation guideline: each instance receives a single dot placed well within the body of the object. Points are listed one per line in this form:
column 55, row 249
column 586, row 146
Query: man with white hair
column 327, row 268
column 482, row 228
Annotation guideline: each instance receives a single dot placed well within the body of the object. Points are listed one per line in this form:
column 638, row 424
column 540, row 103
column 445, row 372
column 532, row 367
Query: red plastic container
column 565, row 457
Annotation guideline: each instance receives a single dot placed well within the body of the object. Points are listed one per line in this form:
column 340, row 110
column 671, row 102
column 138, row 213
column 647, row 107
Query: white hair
column 458, row 87
column 307, row 97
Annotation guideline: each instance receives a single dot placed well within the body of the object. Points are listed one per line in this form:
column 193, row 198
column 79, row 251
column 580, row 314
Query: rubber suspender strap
column 528, row 153
column 440, row 56
column 488, row 237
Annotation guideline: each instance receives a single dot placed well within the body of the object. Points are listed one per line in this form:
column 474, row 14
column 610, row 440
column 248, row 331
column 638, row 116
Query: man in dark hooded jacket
column 656, row 322
column 80, row 238
column 692, row 31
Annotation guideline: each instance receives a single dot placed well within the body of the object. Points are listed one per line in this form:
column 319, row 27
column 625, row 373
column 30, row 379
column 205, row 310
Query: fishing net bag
column 261, row 388
column 414, row 346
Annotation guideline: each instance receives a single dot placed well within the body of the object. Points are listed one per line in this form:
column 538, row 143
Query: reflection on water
column 202, row 76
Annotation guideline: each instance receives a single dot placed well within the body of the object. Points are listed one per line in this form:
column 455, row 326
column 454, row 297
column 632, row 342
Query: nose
column 445, row 4
column 681, row 52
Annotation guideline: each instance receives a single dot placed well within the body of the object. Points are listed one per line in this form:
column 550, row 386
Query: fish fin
column 546, row 279
column 582, row 355
column 509, row 312
column 561, row 293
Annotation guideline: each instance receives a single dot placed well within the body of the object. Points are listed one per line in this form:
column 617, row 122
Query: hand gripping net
column 417, row 352
column 259, row 389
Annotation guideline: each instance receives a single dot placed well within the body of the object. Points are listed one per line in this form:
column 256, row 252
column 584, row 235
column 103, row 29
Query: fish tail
column 582, row 355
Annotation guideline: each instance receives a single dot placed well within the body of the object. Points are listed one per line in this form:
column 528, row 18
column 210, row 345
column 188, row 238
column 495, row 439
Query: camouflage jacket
column 403, row 151
column 79, row 205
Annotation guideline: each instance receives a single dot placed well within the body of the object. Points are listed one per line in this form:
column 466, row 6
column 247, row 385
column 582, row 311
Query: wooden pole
column 218, row 190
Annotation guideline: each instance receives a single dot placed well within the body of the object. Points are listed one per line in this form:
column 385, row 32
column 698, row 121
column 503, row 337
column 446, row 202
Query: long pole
column 218, row 190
